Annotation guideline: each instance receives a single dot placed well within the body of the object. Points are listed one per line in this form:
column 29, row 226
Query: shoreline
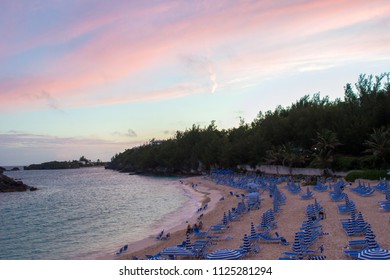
column 203, row 195
column 289, row 221
column 207, row 193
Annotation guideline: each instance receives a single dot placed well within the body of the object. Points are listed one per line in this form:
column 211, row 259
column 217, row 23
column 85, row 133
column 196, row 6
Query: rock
column 8, row 184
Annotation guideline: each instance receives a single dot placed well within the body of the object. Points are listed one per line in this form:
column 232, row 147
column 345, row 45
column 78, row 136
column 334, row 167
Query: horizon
column 96, row 78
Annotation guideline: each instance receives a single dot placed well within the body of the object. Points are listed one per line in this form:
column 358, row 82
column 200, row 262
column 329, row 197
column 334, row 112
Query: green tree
column 378, row 145
column 325, row 144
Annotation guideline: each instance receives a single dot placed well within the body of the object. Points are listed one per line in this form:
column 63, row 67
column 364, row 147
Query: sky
column 97, row 77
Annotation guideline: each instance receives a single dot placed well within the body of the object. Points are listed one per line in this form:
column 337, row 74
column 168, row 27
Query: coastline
column 206, row 192
column 289, row 221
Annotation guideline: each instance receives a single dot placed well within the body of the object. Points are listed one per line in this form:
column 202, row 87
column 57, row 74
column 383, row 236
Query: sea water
column 87, row 213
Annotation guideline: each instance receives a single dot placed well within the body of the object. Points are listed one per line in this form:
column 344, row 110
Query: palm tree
column 379, row 146
column 325, row 144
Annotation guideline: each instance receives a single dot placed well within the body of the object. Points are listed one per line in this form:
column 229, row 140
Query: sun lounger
column 386, row 207
column 269, row 239
column 357, row 243
column 352, row 253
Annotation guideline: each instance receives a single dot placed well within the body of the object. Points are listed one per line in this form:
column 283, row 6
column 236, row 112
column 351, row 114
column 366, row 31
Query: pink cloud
column 261, row 34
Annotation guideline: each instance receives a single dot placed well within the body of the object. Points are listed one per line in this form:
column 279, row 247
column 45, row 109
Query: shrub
column 367, row 174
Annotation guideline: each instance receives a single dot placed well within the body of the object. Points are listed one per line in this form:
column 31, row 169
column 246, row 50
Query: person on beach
column 189, row 229
column 200, row 225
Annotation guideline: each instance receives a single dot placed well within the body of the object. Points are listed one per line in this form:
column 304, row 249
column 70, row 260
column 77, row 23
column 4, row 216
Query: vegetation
column 313, row 132
column 367, row 174
column 82, row 162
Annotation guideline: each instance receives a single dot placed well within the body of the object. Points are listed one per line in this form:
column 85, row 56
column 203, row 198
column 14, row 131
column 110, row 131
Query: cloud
column 169, row 132
column 129, row 133
column 213, row 79
column 31, row 140
column 104, row 49
column 50, row 101
column 19, row 148
column 199, row 65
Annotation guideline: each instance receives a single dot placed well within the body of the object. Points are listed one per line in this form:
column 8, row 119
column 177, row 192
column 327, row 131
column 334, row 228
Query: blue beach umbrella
column 297, row 244
column 350, row 230
column 225, row 219
column 246, row 245
column 370, row 238
column 353, row 213
column 374, row 254
column 307, row 237
column 253, row 233
column 276, row 205
column 360, row 221
column 188, row 245
column 230, row 216
column 224, row 254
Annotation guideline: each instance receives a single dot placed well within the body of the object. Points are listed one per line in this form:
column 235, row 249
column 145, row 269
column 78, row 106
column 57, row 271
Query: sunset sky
column 96, row 77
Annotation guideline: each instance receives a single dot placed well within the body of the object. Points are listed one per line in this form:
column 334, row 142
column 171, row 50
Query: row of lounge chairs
column 308, row 235
column 363, row 190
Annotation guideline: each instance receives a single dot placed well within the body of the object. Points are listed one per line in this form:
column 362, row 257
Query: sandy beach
column 289, row 221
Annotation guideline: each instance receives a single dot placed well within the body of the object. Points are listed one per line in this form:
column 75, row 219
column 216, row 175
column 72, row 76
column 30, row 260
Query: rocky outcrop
column 8, row 184
column 53, row 165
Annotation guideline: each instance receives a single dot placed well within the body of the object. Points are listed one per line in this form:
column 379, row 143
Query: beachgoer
column 189, row 229
column 200, row 225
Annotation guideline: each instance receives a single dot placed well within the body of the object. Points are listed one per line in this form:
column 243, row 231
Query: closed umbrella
column 370, row 238
column 230, row 216
column 297, row 244
column 188, row 245
column 246, row 245
column 253, row 234
column 225, row 219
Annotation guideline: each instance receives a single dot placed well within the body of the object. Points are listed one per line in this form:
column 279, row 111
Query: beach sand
column 289, row 221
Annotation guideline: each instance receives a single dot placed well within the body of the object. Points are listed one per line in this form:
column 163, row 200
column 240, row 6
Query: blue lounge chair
column 361, row 243
column 385, row 206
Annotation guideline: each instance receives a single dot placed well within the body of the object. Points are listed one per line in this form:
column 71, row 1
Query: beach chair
column 266, row 239
column 361, row 243
column 385, row 207
column 199, row 234
column 351, row 253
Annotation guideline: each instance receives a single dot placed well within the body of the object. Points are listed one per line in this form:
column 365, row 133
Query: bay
column 87, row 213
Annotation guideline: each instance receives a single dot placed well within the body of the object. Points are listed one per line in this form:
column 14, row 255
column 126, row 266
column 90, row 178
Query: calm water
column 86, row 213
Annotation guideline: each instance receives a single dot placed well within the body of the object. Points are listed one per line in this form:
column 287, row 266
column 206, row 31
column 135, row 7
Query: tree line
column 348, row 133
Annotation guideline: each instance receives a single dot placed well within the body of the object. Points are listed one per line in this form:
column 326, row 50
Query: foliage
column 367, row 174
column 379, row 146
column 83, row 162
column 313, row 131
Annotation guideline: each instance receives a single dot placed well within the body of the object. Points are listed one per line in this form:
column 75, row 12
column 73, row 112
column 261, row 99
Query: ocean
column 87, row 213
